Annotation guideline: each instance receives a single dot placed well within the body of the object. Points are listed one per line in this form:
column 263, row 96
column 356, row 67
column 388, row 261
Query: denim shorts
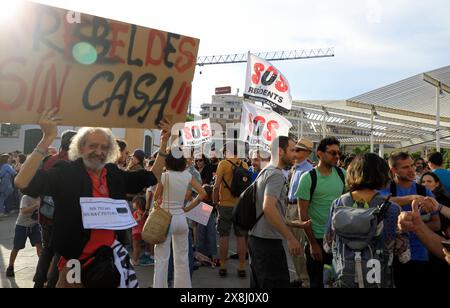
column 22, row 233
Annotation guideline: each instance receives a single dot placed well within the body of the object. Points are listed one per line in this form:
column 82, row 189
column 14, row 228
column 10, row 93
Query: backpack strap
column 223, row 177
column 313, row 175
column 393, row 189
column 234, row 163
column 383, row 207
column 341, row 176
column 254, row 197
column 421, row 190
column 226, row 184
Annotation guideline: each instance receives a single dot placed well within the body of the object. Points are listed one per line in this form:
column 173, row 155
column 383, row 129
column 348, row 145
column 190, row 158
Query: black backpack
column 244, row 213
column 241, row 180
column 313, row 174
column 101, row 272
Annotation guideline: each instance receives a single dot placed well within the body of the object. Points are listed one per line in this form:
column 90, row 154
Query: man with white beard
column 90, row 173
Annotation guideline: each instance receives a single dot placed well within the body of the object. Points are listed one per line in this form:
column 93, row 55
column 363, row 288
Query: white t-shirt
column 25, row 220
column 175, row 186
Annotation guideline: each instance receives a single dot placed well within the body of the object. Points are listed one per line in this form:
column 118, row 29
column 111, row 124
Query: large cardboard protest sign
column 95, row 71
column 260, row 126
column 266, row 84
column 196, row 133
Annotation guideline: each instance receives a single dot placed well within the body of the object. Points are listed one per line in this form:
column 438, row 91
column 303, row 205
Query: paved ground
column 204, row 277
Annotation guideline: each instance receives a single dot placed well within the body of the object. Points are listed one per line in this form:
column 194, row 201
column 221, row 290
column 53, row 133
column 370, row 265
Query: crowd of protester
column 343, row 220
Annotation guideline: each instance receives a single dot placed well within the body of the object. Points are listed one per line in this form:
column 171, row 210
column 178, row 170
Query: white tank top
column 175, row 186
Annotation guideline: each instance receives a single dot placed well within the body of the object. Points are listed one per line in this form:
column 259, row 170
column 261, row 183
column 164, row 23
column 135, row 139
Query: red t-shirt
column 138, row 229
column 98, row 237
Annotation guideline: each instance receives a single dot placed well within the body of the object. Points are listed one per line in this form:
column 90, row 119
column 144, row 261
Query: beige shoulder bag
column 158, row 222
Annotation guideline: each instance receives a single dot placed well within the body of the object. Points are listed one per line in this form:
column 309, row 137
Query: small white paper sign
column 106, row 214
column 200, row 213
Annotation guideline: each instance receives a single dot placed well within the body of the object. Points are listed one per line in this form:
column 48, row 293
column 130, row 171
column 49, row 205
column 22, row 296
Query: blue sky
column 376, row 42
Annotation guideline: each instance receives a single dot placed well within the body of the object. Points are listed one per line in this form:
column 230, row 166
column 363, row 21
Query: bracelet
column 39, row 151
column 163, row 154
column 440, row 208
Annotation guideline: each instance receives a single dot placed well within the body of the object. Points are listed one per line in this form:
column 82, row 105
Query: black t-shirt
column 207, row 175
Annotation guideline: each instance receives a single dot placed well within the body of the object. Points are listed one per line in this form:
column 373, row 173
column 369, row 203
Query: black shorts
column 22, row 233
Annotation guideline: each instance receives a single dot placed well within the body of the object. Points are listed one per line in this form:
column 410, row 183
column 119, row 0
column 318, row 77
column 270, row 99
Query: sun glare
column 8, row 9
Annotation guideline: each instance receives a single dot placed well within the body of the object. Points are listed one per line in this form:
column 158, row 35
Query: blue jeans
column 191, row 259
column 207, row 237
column 3, row 197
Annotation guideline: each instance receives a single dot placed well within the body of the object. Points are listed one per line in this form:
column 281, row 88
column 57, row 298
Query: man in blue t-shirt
column 404, row 190
column 260, row 159
column 435, row 161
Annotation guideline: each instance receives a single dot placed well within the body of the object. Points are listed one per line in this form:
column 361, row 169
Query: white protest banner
column 260, row 126
column 106, row 214
column 266, row 84
column 196, row 133
column 200, row 213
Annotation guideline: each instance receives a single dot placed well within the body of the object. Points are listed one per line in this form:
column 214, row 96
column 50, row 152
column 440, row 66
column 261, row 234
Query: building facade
column 24, row 138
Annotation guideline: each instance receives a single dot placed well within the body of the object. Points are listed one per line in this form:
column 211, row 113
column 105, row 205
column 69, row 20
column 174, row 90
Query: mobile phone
column 446, row 244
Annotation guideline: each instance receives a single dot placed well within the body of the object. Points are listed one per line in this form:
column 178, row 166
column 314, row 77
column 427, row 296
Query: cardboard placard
column 196, row 133
column 96, row 71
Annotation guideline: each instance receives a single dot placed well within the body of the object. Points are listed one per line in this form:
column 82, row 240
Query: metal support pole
column 301, row 123
column 324, row 124
column 438, row 120
column 381, row 150
column 372, row 148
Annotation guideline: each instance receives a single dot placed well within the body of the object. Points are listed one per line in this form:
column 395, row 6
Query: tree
column 416, row 155
column 362, row 149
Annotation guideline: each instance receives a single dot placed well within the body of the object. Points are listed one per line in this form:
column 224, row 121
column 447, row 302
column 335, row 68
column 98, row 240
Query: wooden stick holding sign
column 94, row 71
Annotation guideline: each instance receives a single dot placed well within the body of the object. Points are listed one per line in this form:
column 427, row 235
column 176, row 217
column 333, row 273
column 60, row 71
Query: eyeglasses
column 334, row 153
column 198, row 160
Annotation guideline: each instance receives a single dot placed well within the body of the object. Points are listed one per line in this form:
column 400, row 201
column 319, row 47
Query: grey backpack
column 359, row 256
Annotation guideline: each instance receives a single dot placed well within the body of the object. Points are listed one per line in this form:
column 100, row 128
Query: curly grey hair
column 79, row 140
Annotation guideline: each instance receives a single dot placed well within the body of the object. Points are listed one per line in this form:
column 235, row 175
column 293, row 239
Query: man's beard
column 88, row 161
column 286, row 162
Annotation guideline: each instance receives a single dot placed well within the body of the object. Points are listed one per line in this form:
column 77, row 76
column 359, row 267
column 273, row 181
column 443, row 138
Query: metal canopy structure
column 423, row 97
column 355, row 126
column 269, row 56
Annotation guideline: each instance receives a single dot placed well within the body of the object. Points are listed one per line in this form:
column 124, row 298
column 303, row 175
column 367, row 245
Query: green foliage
column 361, row 149
column 416, row 155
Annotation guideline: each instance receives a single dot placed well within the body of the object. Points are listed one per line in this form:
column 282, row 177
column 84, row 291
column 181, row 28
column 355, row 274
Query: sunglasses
column 198, row 160
column 334, row 153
